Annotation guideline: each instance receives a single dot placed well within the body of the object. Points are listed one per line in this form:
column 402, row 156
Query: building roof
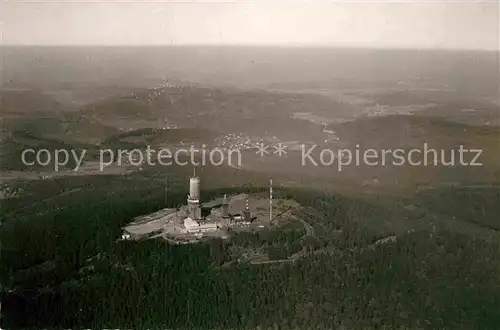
column 153, row 216
column 212, row 204
column 190, row 223
column 210, row 225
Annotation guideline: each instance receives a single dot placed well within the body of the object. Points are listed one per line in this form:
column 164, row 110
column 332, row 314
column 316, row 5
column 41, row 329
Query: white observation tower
column 193, row 200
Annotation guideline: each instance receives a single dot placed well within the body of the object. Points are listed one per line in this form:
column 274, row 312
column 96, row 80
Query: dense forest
column 64, row 267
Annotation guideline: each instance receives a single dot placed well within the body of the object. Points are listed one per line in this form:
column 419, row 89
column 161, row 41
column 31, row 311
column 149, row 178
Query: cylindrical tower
column 194, row 188
column 194, row 197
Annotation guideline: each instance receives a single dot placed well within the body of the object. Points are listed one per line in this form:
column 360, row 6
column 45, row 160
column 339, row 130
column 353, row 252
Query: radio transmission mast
column 166, row 191
column 270, row 200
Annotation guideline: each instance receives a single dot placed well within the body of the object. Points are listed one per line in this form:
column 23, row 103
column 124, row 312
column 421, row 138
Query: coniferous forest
column 64, row 267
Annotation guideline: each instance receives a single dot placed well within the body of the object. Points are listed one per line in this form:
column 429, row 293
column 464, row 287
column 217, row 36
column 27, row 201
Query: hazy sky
column 429, row 24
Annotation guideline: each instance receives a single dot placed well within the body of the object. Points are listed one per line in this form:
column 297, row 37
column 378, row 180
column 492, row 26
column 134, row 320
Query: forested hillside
column 63, row 267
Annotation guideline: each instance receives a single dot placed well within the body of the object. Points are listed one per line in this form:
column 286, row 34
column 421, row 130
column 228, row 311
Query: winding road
column 309, row 229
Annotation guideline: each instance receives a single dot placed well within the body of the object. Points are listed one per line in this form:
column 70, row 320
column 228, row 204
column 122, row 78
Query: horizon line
column 290, row 45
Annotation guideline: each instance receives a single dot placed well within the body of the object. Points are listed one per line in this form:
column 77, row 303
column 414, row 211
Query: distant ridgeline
column 157, row 137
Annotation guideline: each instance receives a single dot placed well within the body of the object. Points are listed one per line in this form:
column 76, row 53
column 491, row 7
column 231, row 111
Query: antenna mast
column 166, row 191
column 270, row 200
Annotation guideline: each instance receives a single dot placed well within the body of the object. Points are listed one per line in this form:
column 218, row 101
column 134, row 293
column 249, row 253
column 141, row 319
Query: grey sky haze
column 422, row 24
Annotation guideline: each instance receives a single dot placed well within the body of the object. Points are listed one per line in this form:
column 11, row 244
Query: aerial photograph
column 250, row 164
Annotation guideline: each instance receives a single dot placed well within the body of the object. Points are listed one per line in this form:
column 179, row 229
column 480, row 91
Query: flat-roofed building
column 193, row 226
